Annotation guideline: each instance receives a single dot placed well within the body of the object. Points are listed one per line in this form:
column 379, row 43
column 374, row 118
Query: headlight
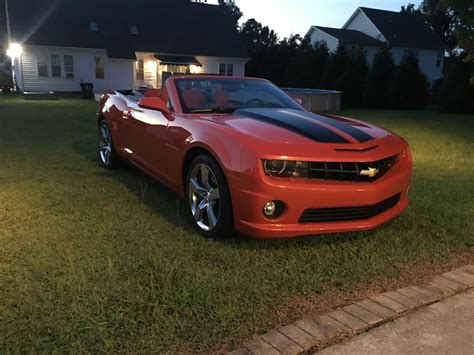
column 286, row 168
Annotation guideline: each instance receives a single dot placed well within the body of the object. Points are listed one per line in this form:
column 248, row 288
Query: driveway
column 442, row 328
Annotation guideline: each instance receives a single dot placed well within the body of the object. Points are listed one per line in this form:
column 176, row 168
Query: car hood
column 296, row 133
column 295, row 126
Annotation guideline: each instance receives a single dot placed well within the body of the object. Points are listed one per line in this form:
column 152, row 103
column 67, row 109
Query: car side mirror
column 154, row 103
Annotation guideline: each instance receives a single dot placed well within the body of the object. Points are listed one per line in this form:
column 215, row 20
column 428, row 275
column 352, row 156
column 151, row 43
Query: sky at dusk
column 296, row 16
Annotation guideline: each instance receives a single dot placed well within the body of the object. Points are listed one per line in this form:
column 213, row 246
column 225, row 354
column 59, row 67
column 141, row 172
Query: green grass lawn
column 99, row 261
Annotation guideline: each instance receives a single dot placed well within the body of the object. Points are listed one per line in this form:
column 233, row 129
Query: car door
column 149, row 129
column 132, row 130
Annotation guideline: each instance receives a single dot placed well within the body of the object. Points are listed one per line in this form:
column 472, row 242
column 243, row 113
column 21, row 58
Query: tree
column 456, row 93
column 463, row 12
column 379, row 77
column 231, row 9
column 261, row 43
column 353, row 79
column 411, row 9
column 338, row 62
column 409, row 88
column 438, row 16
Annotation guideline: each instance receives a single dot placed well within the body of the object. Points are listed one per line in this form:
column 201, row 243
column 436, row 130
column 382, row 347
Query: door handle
column 127, row 114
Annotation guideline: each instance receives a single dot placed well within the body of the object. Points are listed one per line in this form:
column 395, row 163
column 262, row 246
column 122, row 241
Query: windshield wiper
column 214, row 110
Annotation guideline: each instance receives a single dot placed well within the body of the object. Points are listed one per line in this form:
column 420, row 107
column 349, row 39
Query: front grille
column 348, row 213
column 350, row 171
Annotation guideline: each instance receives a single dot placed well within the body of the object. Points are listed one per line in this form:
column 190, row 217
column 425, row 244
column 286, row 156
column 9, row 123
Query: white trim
column 63, row 47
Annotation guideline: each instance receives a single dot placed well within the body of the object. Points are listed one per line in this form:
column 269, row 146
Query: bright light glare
column 15, row 50
column 194, row 69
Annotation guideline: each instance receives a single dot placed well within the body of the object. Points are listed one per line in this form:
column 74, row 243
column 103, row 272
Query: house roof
column 164, row 26
column 350, row 36
column 403, row 29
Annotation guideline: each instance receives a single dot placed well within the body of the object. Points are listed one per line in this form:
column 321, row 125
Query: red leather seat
column 164, row 95
column 221, row 98
column 153, row 93
column 194, row 99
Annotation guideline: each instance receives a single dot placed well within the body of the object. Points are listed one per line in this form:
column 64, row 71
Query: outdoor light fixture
column 194, row 69
column 15, row 50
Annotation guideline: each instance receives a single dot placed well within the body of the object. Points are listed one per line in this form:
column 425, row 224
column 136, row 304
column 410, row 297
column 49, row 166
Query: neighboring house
column 120, row 44
column 352, row 38
column 402, row 31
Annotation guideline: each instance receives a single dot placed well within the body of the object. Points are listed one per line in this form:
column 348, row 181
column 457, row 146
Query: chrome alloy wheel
column 105, row 144
column 204, row 197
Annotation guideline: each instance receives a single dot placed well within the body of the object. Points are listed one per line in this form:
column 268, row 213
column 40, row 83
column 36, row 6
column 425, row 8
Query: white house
column 401, row 31
column 335, row 37
column 118, row 44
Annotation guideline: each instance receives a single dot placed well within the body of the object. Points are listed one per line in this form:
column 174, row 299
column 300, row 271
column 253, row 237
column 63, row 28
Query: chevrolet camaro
column 249, row 158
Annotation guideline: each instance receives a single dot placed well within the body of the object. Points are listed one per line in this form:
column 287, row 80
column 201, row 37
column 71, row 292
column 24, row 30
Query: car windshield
column 221, row 95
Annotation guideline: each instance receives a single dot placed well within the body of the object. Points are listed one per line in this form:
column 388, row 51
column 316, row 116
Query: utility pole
column 7, row 16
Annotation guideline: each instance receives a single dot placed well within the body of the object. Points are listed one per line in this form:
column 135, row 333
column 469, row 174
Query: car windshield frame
column 282, row 100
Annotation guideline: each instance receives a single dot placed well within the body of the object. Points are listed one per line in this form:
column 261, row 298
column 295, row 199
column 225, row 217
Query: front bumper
column 250, row 194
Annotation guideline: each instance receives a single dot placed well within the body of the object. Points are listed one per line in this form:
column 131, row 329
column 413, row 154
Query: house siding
column 210, row 65
column 362, row 23
column 426, row 60
column 115, row 73
column 121, row 74
column 320, row 36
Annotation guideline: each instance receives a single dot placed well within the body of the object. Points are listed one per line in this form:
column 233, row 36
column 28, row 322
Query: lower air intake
column 348, row 213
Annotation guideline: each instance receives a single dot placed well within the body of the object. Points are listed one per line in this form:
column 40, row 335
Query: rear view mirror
column 154, row 103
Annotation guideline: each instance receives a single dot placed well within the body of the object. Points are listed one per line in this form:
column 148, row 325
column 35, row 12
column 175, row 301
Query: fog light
column 269, row 208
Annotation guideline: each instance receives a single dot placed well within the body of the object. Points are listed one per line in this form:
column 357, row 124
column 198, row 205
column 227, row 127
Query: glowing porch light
column 194, row 69
column 15, row 50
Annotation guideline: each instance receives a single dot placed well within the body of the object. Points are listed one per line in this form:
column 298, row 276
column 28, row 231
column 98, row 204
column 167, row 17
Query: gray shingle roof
column 351, row 36
column 404, row 30
column 165, row 26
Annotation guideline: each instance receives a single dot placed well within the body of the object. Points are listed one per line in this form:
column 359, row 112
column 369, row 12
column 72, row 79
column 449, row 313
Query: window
column 55, row 66
column 438, row 59
column 93, row 26
column 134, row 30
column 69, row 66
column 226, row 69
column 42, row 64
column 220, row 95
column 140, row 70
column 99, row 68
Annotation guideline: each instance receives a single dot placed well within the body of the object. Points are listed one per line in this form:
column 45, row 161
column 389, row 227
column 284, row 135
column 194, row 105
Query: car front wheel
column 107, row 156
column 209, row 198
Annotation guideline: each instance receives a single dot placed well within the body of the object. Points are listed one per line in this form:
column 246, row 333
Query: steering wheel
column 255, row 103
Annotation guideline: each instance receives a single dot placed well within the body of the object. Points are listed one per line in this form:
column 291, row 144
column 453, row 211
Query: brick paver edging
column 307, row 334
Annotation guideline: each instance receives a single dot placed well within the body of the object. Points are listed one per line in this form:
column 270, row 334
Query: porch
column 152, row 69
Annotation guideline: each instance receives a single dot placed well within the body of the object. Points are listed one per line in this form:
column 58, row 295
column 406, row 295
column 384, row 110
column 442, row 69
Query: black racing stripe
column 354, row 132
column 292, row 123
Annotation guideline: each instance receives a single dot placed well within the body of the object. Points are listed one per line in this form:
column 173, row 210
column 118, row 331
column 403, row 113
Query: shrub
column 457, row 93
column 409, row 87
column 379, row 77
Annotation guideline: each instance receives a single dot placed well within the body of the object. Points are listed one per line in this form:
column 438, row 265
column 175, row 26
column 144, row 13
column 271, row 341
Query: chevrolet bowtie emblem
column 370, row 172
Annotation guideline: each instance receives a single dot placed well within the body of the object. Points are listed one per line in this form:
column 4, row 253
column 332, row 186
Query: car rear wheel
column 209, row 198
column 107, row 156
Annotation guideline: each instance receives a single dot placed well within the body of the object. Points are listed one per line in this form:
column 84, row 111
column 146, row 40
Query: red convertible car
column 248, row 157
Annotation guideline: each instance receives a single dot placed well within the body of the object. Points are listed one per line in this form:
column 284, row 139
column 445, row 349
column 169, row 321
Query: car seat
column 194, row 99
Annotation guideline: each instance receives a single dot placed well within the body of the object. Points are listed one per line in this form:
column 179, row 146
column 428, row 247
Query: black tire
column 204, row 196
column 107, row 155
